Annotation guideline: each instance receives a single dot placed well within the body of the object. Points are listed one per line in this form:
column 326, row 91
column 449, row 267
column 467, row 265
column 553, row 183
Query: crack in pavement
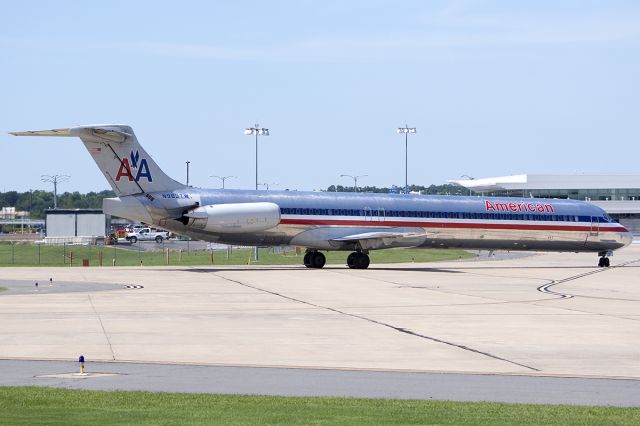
column 384, row 324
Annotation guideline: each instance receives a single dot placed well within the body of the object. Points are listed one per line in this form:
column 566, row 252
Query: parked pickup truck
column 147, row 234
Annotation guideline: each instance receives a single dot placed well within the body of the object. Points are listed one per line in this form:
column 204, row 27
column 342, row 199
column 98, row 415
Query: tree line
column 37, row 201
column 445, row 189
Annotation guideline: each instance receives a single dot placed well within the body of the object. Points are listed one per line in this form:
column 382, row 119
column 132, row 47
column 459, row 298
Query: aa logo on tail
column 137, row 165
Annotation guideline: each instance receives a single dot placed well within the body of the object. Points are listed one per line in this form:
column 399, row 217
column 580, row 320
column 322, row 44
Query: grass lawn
column 35, row 255
column 36, row 405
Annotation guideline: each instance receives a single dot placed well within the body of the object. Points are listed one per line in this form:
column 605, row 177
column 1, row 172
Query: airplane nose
column 626, row 238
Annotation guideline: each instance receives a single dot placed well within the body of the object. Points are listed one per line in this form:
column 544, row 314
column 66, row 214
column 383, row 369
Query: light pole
column 470, row 178
column 355, row 180
column 257, row 131
column 406, row 130
column 223, row 178
column 266, row 185
column 187, row 163
column 55, row 179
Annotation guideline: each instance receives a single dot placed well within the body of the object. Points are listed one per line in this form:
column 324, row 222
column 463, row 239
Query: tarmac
column 543, row 328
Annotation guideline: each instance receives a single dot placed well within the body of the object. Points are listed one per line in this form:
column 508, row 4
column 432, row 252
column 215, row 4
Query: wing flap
column 381, row 234
column 384, row 239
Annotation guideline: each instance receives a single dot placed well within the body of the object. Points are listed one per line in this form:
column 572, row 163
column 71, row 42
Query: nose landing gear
column 314, row 259
column 358, row 260
column 604, row 260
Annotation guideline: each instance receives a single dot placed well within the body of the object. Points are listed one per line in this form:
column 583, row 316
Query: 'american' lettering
column 521, row 206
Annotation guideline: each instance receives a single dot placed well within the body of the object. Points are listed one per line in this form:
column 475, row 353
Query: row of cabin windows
column 439, row 215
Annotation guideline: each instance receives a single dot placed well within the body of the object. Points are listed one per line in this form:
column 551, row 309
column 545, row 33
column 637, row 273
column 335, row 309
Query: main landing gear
column 358, row 260
column 604, row 260
column 314, row 259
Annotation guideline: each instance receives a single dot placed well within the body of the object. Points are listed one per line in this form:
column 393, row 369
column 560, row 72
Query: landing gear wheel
column 604, row 262
column 358, row 260
column 362, row 261
column 351, row 259
column 317, row 260
column 314, row 259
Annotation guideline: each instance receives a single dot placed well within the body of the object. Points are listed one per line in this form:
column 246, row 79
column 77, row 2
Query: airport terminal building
column 619, row 195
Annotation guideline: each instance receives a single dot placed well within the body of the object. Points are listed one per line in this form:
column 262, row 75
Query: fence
column 28, row 254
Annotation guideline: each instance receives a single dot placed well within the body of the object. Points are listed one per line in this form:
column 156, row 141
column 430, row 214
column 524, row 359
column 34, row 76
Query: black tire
column 307, row 259
column 159, row 239
column 362, row 261
column 351, row 260
column 317, row 260
column 133, row 240
column 607, row 263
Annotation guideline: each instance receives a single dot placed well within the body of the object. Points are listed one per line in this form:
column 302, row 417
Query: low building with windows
column 619, row 195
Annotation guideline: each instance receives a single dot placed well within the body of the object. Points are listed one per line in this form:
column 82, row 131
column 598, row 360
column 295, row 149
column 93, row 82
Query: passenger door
column 595, row 227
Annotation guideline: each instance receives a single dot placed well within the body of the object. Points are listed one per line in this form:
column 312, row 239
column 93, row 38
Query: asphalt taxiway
column 525, row 323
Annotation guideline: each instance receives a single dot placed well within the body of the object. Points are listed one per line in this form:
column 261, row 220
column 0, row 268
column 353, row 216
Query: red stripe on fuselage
column 460, row 225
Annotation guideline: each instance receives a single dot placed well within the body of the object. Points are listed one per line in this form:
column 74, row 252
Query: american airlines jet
column 356, row 222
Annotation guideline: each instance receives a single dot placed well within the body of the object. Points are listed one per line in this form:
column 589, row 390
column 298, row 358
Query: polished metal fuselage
column 317, row 219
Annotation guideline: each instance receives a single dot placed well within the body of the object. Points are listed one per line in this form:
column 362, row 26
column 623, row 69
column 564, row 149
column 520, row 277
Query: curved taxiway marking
column 546, row 287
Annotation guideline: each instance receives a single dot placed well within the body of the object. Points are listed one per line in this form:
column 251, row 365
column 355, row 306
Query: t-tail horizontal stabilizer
column 120, row 157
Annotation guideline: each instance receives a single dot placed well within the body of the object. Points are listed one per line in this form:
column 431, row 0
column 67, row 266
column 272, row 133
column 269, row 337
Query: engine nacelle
column 235, row 218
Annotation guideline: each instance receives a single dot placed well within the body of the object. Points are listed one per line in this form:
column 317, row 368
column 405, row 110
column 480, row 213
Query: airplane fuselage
column 319, row 219
column 336, row 221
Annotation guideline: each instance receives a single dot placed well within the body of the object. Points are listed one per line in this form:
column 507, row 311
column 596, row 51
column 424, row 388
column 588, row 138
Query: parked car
column 147, row 234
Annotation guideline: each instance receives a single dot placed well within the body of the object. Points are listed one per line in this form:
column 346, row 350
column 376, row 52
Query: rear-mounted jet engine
column 235, row 218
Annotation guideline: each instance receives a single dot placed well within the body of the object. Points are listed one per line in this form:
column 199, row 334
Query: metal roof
column 532, row 181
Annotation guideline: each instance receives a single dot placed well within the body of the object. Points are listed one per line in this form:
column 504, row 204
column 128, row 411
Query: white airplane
column 356, row 222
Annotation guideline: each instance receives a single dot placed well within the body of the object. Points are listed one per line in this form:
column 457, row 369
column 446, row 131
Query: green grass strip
column 34, row 255
column 38, row 405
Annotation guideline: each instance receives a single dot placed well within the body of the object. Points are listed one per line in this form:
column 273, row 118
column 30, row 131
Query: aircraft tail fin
column 120, row 157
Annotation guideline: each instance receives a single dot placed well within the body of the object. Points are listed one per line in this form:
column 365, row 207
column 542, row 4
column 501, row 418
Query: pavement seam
column 104, row 331
column 393, row 327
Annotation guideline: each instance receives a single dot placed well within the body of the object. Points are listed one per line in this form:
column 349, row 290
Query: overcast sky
column 493, row 87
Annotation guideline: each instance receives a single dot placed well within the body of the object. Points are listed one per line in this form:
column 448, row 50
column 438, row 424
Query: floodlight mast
column 355, row 180
column 55, row 179
column 406, row 130
column 257, row 131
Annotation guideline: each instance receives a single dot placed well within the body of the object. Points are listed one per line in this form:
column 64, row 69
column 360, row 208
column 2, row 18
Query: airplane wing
column 381, row 239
